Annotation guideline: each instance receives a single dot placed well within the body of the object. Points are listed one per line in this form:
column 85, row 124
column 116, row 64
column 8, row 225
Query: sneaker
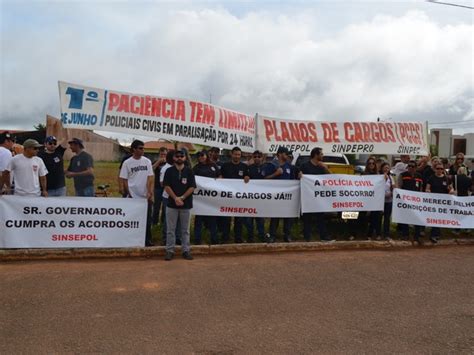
column 287, row 239
column 378, row 238
column 149, row 244
column 351, row 237
column 187, row 256
column 328, row 240
column 169, row 256
column 267, row 237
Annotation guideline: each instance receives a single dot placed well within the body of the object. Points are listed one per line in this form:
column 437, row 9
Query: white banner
column 257, row 198
column 160, row 117
column 433, row 210
column 337, row 192
column 72, row 222
column 342, row 137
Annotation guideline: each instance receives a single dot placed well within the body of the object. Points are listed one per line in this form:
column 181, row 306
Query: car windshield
column 326, row 158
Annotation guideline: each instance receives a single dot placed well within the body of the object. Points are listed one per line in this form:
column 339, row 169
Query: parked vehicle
column 336, row 162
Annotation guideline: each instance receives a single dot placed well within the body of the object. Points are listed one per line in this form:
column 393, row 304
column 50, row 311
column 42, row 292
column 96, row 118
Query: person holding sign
column 6, row 145
column 256, row 172
column 137, row 181
column 412, row 181
column 179, row 183
column 315, row 166
column 387, row 210
column 439, row 184
column 282, row 171
column 235, row 169
column 29, row 171
column 205, row 168
column 374, row 216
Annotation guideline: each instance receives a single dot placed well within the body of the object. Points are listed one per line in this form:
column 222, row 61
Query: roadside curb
column 102, row 253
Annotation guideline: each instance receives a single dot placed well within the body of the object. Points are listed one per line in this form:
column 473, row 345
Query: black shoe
column 149, row 244
column 434, row 240
column 287, row 239
column 250, row 240
column 187, row 256
column 238, row 240
column 169, row 256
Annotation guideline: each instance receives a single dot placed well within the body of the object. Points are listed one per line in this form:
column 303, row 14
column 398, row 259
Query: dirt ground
column 411, row 301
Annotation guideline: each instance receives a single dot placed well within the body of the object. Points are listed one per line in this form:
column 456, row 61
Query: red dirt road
column 419, row 300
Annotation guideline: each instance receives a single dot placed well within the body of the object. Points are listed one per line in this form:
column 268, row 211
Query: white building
column 449, row 144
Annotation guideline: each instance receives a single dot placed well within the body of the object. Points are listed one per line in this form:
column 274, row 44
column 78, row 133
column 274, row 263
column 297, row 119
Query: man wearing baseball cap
column 29, row 171
column 81, row 169
column 52, row 156
column 6, row 145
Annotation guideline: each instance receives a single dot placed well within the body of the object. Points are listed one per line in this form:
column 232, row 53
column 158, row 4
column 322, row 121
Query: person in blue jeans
column 282, row 170
column 81, row 169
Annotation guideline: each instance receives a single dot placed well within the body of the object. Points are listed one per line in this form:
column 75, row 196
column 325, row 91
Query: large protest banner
column 338, row 192
column 342, row 137
column 257, row 198
column 72, row 222
column 159, row 117
column 432, row 210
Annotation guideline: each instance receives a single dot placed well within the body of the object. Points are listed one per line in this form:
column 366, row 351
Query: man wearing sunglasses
column 52, row 156
column 136, row 176
column 29, row 171
column 179, row 183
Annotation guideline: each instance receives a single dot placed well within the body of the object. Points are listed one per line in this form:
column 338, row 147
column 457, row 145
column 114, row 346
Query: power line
column 450, row 4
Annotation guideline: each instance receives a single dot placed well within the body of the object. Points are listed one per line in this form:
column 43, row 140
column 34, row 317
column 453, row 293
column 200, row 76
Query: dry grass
column 105, row 173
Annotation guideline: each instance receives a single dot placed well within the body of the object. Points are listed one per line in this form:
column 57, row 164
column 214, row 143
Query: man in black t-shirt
column 256, row 172
column 235, row 169
column 81, row 169
column 179, row 183
column 315, row 166
column 52, row 156
column 412, row 181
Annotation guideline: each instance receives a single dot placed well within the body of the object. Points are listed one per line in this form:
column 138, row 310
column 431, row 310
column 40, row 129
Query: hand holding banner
column 432, row 210
column 72, row 222
column 257, row 198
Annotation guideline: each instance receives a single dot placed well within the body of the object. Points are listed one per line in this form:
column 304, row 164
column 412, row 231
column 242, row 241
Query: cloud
column 406, row 67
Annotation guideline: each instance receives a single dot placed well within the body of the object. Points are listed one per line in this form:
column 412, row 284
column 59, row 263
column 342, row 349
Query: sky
column 310, row 60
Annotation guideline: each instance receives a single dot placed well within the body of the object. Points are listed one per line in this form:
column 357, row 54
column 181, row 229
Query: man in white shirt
column 136, row 175
column 29, row 170
column 6, row 144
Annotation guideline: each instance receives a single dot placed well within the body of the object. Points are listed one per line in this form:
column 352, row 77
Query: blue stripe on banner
column 103, row 109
